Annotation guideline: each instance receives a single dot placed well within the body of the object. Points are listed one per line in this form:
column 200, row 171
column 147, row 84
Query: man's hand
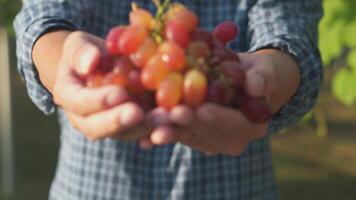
column 215, row 129
column 61, row 58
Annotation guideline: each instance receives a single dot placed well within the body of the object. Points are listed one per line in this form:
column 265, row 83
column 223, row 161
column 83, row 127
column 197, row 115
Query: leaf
column 351, row 61
column 349, row 34
column 344, row 87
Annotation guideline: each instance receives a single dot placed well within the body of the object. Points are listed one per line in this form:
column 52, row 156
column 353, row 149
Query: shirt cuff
column 310, row 67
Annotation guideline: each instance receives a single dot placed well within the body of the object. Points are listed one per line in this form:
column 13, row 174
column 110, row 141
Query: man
column 98, row 160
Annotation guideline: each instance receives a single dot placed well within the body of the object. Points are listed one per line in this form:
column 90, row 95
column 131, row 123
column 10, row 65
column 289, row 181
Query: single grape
column 119, row 74
column 221, row 93
column 199, row 49
column 225, row 32
column 135, row 86
column 106, row 63
column 234, row 72
column 178, row 33
column 154, row 72
column 169, row 93
column 112, row 39
column 144, row 53
column 182, row 15
column 173, row 55
column 131, row 39
column 142, row 18
column 255, row 109
column 194, row 88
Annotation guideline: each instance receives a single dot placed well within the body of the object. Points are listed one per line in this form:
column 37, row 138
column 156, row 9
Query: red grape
column 199, row 49
column 181, row 14
column 225, row 32
column 255, row 109
column 106, row 63
column 194, row 88
column 120, row 72
column 177, row 33
column 135, row 86
column 131, row 39
column 173, row 55
column 154, row 72
column 144, row 53
column 169, row 92
column 112, row 39
column 221, row 93
column 142, row 18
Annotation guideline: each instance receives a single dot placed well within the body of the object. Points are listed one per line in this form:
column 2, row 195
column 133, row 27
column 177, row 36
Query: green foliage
column 337, row 34
column 8, row 10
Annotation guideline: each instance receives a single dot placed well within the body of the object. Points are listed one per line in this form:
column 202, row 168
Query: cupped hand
column 103, row 112
column 214, row 129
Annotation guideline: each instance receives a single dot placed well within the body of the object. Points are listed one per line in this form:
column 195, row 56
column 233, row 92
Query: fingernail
column 130, row 116
column 87, row 60
column 162, row 136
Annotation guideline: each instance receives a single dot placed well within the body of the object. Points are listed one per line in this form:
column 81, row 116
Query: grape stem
column 161, row 10
column 134, row 6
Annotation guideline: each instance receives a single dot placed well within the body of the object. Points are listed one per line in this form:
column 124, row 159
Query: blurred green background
column 313, row 160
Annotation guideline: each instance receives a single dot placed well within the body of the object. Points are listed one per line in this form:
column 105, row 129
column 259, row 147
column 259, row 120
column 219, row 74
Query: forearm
column 287, row 75
column 46, row 55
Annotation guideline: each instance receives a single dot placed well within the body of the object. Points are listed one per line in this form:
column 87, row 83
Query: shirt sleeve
column 290, row 26
column 36, row 18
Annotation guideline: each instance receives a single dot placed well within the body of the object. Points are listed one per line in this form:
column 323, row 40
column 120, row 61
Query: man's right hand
column 98, row 113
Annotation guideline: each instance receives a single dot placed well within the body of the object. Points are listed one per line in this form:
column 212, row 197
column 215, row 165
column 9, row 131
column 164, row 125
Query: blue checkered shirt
column 115, row 170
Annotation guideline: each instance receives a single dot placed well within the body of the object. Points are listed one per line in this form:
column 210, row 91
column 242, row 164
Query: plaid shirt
column 113, row 170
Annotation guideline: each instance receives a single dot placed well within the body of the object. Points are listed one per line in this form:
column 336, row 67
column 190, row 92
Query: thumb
column 83, row 52
column 260, row 79
column 86, row 58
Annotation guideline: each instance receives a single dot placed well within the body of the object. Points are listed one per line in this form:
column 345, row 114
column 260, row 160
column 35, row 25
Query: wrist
column 46, row 54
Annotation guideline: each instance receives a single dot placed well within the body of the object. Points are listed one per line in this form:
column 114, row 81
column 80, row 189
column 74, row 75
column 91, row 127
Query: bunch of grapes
column 165, row 60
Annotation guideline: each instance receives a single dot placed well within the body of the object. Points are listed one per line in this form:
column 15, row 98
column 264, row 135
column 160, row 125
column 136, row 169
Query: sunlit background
column 313, row 160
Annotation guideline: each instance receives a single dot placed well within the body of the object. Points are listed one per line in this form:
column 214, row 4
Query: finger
column 83, row 51
column 158, row 117
column 163, row 135
column 74, row 97
column 181, row 115
column 86, row 58
column 222, row 118
column 108, row 123
column 261, row 79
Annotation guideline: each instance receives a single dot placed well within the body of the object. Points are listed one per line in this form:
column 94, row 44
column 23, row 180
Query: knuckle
column 234, row 151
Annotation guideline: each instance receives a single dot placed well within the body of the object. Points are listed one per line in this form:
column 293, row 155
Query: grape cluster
column 165, row 60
